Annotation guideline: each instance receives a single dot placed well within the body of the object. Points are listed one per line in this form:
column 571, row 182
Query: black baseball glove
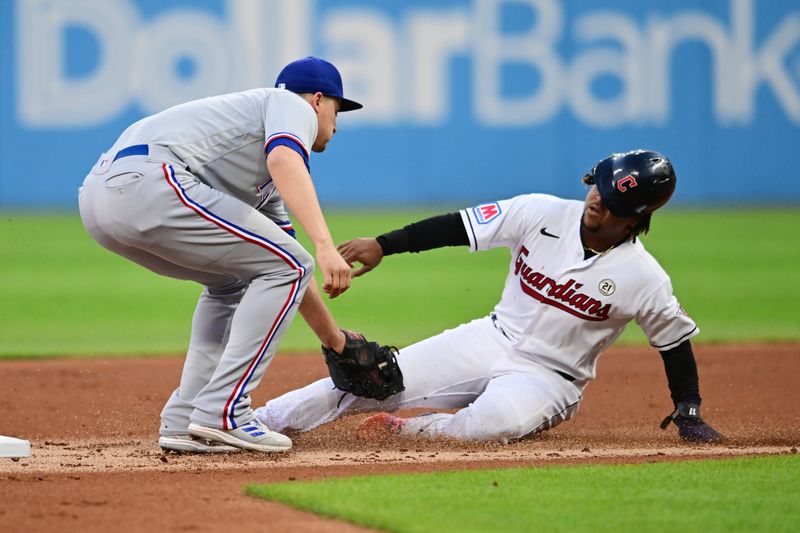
column 691, row 427
column 364, row 368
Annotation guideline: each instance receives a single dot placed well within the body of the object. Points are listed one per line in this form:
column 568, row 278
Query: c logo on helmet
column 628, row 182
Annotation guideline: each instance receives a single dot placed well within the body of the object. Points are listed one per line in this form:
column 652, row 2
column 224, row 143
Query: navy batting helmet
column 633, row 183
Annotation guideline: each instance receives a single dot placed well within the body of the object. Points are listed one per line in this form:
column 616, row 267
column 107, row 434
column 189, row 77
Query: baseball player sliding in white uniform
column 578, row 275
column 197, row 192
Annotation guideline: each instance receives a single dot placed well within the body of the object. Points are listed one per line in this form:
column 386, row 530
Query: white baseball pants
column 502, row 394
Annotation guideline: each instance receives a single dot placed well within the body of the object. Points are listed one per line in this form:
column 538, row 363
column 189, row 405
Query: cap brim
column 348, row 105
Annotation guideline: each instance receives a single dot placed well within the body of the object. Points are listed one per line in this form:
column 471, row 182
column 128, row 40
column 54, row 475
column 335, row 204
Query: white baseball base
column 11, row 447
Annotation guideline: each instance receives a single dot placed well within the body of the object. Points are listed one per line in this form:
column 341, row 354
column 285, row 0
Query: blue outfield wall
column 464, row 100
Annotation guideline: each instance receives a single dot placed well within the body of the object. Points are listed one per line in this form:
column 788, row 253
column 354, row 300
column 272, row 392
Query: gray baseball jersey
column 222, row 139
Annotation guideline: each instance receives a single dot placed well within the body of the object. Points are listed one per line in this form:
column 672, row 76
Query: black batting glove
column 691, row 427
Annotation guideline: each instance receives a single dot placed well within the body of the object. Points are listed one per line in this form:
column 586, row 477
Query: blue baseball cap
column 315, row 75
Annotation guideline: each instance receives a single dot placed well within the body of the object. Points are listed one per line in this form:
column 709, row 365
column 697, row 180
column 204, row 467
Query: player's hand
column 365, row 251
column 335, row 271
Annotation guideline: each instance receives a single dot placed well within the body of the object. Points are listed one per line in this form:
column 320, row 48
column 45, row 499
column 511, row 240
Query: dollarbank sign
column 397, row 64
column 561, row 83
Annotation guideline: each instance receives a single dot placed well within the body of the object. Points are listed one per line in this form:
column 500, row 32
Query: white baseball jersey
column 563, row 310
column 223, row 139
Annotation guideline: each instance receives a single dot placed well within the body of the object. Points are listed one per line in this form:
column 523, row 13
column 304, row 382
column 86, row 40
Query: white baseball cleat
column 190, row 444
column 253, row 435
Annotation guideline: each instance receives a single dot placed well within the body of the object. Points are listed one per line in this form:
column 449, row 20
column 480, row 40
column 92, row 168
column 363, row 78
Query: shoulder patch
column 486, row 213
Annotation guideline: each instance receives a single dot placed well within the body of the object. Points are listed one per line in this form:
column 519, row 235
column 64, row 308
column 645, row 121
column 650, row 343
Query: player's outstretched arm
column 427, row 234
column 294, row 183
column 320, row 320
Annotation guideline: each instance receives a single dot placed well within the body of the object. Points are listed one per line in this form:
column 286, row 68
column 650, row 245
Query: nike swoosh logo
column 544, row 232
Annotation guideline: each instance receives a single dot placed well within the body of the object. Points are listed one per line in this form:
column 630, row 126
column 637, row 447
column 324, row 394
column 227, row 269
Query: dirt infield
column 93, row 426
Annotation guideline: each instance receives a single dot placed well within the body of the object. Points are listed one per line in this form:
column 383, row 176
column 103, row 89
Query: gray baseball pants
column 153, row 211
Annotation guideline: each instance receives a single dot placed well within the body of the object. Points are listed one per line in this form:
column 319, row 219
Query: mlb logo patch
column 486, row 213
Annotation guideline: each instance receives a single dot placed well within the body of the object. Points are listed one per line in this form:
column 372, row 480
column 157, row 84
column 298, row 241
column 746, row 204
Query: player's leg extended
column 210, row 331
column 447, row 371
column 518, row 402
column 225, row 402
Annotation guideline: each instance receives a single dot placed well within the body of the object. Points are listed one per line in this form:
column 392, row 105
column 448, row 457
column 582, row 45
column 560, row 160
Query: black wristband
column 393, row 242
column 434, row 232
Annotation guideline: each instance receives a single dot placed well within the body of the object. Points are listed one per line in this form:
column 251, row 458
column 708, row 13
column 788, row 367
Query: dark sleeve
column 681, row 371
column 434, row 232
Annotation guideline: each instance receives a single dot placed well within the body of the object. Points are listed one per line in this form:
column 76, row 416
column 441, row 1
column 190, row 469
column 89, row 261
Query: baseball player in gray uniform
column 578, row 275
column 200, row 192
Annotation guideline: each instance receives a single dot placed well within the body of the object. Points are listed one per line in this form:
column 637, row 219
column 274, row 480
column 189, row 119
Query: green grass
column 753, row 494
column 735, row 272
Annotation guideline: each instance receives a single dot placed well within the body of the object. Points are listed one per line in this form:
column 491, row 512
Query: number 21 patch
column 486, row 213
